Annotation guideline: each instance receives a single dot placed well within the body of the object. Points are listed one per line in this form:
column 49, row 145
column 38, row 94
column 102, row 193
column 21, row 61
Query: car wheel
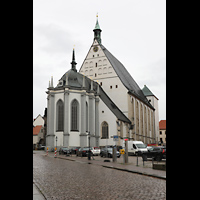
column 158, row 158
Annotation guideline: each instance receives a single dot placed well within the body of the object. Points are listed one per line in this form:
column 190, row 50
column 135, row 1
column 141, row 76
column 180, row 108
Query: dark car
column 82, row 151
column 108, row 152
column 156, row 153
column 74, row 149
column 64, row 150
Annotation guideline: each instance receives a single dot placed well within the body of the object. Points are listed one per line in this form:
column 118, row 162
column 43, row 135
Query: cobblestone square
column 65, row 179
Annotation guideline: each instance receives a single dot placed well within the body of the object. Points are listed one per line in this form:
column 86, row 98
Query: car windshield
column 110, row 149
column 86, row 148
column 64, row 148
column 141, row 146
column 96, row 148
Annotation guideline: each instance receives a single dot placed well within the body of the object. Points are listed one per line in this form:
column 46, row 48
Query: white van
column 135, row 146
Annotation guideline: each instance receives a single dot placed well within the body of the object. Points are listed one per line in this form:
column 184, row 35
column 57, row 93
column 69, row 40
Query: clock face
column 95, row 48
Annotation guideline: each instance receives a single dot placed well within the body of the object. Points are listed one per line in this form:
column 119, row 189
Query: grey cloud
column 55, row 39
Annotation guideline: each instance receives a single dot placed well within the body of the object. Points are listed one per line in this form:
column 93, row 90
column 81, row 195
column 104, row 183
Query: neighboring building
column 102, row 99
column 45, row 125
column 38, row 121
column 38, row 136
column 162, row 130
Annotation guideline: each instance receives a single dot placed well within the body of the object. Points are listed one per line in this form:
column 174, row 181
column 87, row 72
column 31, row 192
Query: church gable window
column 104, row 62
column 74, row 115
column 99, row 71
column 86, row 65
column 91, row 64
column 91, row 72
column 104, row 130
column 105, row 70
column 99, row 63
column 110, row 70
column 60, row 115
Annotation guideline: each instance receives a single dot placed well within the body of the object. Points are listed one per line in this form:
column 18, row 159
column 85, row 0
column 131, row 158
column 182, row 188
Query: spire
column 97, row 31
column 97, row 23
column 51, row 81
column 73, row 63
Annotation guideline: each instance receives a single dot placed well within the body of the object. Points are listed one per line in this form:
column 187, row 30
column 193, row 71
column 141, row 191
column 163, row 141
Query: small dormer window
column 60, row 83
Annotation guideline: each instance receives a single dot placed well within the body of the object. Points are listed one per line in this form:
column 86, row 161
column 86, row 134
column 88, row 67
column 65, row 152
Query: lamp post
column 56, row 142
column 89, row 156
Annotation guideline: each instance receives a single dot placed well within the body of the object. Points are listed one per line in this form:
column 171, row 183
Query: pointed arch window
column 86, row 117
column 60, row 115
column 74, row 115
column 104, row 130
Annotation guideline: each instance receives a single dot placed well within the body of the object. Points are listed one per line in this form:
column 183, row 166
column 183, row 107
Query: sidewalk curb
column 121, row 169
column 39, row 190
column 136, row 172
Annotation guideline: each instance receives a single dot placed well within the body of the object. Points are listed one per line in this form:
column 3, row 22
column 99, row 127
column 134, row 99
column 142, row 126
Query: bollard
column 55, row 156
column 114, row 154
column 47, row 151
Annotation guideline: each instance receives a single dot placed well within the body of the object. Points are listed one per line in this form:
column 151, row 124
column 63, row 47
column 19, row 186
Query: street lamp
column 89, row 156
column 56, row 142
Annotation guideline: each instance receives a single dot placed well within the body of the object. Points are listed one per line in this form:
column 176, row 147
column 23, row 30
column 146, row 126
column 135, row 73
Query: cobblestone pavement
column 64, row 179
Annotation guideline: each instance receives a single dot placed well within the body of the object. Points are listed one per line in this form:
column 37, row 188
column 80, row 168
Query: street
column 65, row 179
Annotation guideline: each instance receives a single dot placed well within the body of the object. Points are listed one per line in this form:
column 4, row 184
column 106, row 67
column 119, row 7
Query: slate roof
column 125, row 77
column 147, row 91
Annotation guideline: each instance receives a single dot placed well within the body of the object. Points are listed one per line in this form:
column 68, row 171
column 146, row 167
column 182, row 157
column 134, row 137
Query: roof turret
column 97, row 31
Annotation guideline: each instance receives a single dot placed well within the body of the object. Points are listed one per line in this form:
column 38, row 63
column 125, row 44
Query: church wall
column 154, row 103
column 117, row 92
column 106, row 115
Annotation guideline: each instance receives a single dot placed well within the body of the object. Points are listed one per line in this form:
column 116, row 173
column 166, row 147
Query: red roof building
column 162, row 130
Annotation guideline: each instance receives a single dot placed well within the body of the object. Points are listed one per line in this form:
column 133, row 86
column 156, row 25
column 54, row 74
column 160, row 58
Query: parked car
column 108, row 152
column 82, row 151
column 64, row 150
column 95, row 151
column 74, row 149
column 136, row 147
column 156, row 153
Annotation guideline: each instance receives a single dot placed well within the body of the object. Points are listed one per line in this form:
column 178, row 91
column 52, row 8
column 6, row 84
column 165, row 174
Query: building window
column 111, row 87
column 96, row 64
column 101, row 83
column 74, row 115
column 116, row 86
column 160, row 132
column 104, row 130
column 60, row 115
column 86, row 117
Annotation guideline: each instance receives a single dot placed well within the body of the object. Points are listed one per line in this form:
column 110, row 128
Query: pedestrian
column 91, row 154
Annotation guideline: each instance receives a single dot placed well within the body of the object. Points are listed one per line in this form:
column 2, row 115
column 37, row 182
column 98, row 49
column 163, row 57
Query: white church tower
column 119, row 85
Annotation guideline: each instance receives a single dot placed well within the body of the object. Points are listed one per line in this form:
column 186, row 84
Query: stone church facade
column 102, row 100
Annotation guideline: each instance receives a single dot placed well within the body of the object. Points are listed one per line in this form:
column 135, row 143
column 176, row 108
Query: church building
column 99, row 101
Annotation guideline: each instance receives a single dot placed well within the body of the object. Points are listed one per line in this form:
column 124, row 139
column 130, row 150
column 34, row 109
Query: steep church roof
column 125, row 77
column 147, row 92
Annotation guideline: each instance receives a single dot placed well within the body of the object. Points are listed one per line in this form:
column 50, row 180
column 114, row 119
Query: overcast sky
column 134, row 31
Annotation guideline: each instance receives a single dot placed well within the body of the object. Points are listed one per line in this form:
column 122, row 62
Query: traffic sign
column 115, row 137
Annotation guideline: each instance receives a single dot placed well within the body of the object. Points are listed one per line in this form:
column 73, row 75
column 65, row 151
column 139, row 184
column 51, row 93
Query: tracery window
column 60, row 115
column 74, row 115
column 104, row 130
